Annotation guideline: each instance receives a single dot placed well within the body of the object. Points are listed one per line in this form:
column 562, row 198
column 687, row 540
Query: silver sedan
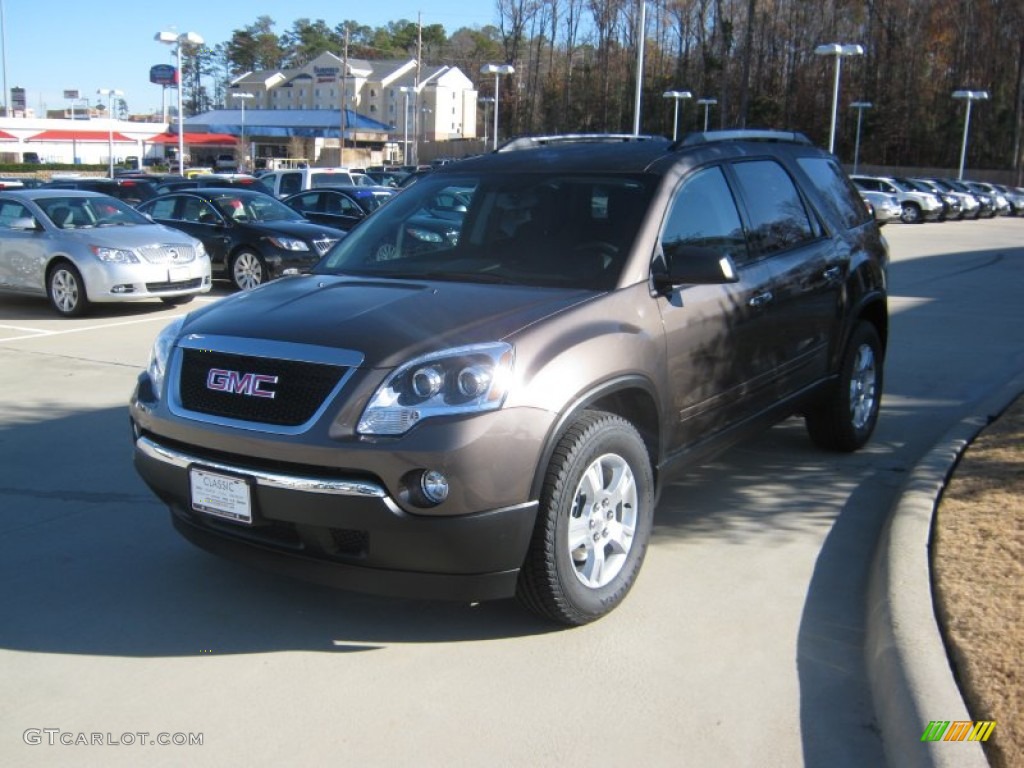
column 78, row 247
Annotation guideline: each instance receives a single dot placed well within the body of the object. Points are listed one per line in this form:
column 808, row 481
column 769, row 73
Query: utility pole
column 344, row 103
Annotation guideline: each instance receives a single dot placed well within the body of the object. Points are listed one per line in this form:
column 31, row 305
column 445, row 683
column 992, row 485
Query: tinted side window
column 778, row 218
column 11, row 212
column 838, row 194
column 291, row 183
column 704, row 215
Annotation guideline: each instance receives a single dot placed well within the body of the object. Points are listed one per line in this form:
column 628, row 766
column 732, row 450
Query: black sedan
column 250, row 236
column 342, row 207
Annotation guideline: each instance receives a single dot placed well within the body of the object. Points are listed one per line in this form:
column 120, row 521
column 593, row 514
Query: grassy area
column 978, row 573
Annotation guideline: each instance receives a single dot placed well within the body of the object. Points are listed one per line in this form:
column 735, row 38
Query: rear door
column 802, row 270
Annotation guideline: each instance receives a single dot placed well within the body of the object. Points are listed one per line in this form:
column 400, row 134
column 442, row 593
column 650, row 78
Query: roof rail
column 793, row 137
column 532, row 142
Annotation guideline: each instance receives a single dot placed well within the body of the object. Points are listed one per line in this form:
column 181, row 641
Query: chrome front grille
column 168, row 254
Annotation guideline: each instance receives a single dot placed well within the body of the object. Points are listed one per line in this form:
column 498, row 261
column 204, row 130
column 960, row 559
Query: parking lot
column 741, row 644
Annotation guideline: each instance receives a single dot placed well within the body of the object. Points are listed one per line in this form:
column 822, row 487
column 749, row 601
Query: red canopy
column 5, row 136
column 79, row 135
column 195, row 139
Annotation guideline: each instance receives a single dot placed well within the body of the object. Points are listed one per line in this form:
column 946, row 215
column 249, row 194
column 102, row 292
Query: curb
column 911, row 679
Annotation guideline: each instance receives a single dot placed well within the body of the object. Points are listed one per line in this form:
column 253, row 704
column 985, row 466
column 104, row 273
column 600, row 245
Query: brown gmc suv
column 480, row 391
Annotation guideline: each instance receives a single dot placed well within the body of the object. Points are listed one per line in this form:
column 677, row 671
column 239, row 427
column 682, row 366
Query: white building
column 442, row 105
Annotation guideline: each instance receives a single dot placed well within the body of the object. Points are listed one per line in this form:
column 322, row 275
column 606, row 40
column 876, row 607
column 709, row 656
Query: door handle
column 760, row 300
column 832, row 275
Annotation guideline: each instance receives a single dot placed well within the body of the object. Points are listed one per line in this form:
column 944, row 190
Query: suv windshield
column 524, row 229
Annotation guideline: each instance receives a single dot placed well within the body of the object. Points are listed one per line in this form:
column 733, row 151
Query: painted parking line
column 38, row 334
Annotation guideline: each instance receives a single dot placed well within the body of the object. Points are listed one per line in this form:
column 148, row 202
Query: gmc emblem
column 251, row 384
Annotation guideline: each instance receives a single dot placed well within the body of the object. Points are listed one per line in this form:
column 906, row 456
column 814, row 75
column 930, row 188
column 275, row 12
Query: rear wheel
column 66, row 290
column 248, row 270
column 594, row 522
column 846, row 417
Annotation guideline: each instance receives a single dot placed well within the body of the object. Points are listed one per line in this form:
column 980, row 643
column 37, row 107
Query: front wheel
column 594, row 522
column 247, row 270
column 911, row 214
column 66, row 290
column 846, row 416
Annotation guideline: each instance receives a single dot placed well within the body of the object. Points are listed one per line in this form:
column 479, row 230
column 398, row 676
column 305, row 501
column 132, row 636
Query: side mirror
column 694, row 265
column 25, row 224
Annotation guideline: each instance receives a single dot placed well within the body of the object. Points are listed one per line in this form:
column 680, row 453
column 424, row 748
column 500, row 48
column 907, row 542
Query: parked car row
column 937, row 199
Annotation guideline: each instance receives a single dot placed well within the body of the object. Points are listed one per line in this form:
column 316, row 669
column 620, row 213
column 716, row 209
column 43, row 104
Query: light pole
column 406, row 89
column 968, row 96
column 497, row 70
column 860, row 106
column 707, row 104
column 173, row 38
column 676, row 96
column 110, row 93
column 837, row 50
column 486, row 101
column 243, row 97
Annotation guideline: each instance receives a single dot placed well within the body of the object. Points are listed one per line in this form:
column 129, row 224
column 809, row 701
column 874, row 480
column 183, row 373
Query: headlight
column 288, row 243
column 160, row 355
column 200, row 249
column 424, row 234
column 113, row 255
column 462, row 380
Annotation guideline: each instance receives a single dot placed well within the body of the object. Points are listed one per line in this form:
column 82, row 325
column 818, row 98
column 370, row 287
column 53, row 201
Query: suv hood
column 388, row 321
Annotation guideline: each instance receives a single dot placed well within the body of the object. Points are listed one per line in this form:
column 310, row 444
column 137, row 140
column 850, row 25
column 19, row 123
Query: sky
column 50, row 46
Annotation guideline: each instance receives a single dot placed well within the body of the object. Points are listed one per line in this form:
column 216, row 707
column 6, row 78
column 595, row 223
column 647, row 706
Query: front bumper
column 346, row 533
column 128, row 282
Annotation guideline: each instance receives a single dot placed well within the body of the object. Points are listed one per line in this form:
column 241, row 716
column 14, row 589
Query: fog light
column 434, row 486
column 128, row 288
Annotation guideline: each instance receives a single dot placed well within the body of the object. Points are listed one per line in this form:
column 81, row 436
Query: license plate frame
column 218, row 494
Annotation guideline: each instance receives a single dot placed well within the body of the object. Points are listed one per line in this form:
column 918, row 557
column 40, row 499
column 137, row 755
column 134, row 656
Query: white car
column 917, row 206
column 79, row 248
column 884, row 206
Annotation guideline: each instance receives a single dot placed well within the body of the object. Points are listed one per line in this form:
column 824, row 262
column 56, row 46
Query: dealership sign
column 163, row 74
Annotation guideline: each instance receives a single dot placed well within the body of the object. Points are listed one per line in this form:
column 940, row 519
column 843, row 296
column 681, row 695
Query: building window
column 373, row 108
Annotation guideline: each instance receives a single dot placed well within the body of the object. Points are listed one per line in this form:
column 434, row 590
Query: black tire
column 846, row 416
column 911, row 214
column 176, row 301
column 599, row 492
column 248, row 270
column 66, row 290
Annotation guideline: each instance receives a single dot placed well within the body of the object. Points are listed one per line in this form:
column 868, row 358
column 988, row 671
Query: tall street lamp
column 110, row 93
column 243, row 97
column 968, row 96
column 185, row 38
column 486, row 101
column 676, row 96
column 406, row 89
column 837, row 50
column 497, row 70
column 707, row 104
column 860, row 106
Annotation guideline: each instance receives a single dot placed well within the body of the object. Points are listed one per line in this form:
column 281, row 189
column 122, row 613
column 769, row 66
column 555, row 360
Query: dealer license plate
column 221, row 495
